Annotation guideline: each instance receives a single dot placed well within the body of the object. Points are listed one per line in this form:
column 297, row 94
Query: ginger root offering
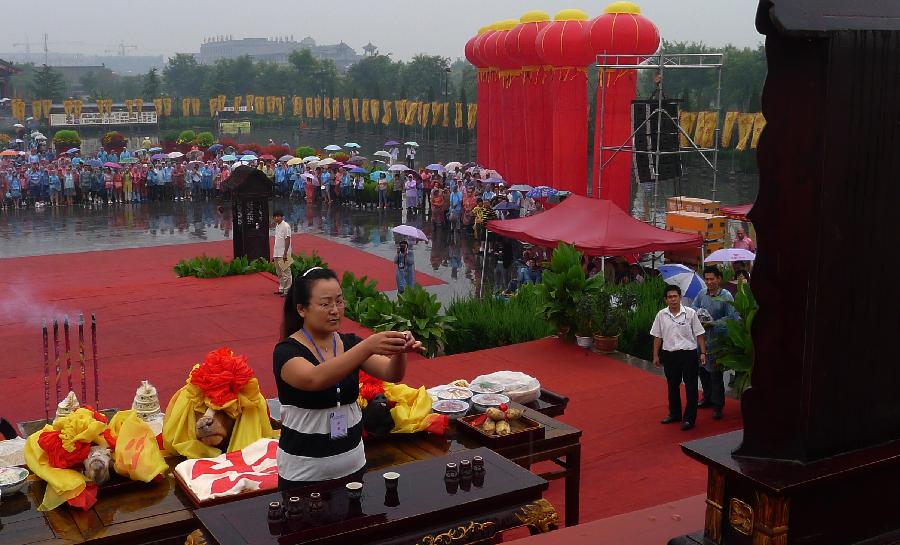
column 497, row 420
column 502, row 428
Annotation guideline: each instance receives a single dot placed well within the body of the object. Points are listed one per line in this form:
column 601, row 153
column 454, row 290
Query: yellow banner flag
column 195, row 106
column 364, row 110
column 728, row 128
column 158, row 104
column 128, row 106
column 318, row 104
column 435, row 113
column 758, row 125
column 386, row 108
column 412, row 108
column 686, row 120
column 67, row 107
column 400, row 106
column 236, row 103
column 473, row 115
column 259, row 105
column 47, row 106
column 375, row 105
column 36, row 109
column 458, row 123
column 18, row 108
column 251, row 102
column 446, row 117
column 745, row 129
column 346, row 104
column 425, row 109
column 185, row 107
column 77, row 109
column 213, row 106
column 699, row 127
column 354, row 102
column 138, row 106
column 296, row 106
column 310, row 108
column 220, row 103
column 326, row 107
column 335, row 108
column 281, row 106
column 167, row 106
column 270, row 104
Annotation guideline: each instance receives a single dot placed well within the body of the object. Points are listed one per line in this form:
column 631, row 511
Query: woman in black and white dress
column 317, row 375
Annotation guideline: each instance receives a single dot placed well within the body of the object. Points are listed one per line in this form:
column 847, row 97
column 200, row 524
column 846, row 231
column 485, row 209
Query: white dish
column 483, row 402
column 453, row 408
column 12, row 480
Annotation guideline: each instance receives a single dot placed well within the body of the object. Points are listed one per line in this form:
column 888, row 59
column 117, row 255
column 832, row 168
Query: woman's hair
column 299, row 294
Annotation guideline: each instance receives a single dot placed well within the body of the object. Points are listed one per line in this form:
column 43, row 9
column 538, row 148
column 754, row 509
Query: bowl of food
column 456, row 393
column 483, row 402
column 12, row 480
column 486, row 388
column 452, row 408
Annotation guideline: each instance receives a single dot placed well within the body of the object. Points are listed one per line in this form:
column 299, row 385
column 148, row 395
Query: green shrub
column 646, row 300
column 205, row 139
column 114, row 141
column 563, row 285
column 216, row 267
column 356, row 292
column 304, row 151
column 419, row 312
column 66, row 139
column 186, row 137
column 303, row 263
column 491, row 322
column 170, row 136
column 735, row 350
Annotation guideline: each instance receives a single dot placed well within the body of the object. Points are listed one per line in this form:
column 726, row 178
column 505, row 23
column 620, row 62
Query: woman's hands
column 391, row 343
column 412, row 345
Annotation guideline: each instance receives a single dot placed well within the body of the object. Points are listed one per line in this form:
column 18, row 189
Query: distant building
column 123, row 65
column 275, row 50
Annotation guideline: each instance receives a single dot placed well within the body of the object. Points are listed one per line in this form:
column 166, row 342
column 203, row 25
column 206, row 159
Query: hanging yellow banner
column 195, row 106
column 458, row 122
column 251, row 102
column 445, row 122
column 128, row 106
column 400, row 108
column 412, row 109
column 213, row 106
column 220, row 103
column 375, row 105
column 18, row 108
column 435, row 113
column 335, row 108
column 745, row 129
column 167, row 106
column 36, row 107
column 259, row 105
column 185, row 107
column 386, row 116
column 310, row 108
column 758, row 125
column 138, row 106
column 728, row 128
column 157, row 103
column 364, row 110
column 296, row 106
column 280, row 105
column 354, row 103
column 327, row 107
column 318, row 104
column 236, row 103
column 346, row 104
column 473, row 115
column 425, row 109
column 270, row 104
column 686, row 121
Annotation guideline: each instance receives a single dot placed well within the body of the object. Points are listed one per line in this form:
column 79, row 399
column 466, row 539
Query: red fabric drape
column 497, row 151
column 538, row 145
column 615, row 185
column 483, row 126
column 569, row 129
column 513, row 125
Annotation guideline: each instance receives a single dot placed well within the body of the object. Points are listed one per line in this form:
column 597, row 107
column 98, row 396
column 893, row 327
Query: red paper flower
column 222, row 375
column 369, row 386
column 58, row 456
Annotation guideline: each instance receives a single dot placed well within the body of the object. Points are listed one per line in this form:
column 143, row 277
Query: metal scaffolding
column 661, row 62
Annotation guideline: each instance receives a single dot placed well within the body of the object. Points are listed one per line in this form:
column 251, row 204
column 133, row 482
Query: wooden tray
column 197, row 502
column 523, row 430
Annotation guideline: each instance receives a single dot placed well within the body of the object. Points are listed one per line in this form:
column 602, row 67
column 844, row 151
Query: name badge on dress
column 338, row 424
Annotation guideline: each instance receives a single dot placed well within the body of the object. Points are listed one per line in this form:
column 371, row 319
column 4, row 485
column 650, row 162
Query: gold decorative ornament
column 740, row 515
column 540, row 515
column 195, row 538
column 474, row 531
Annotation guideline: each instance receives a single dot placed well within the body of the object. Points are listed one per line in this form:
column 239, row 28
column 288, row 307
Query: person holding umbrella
column 713, row 303
column 406, row 267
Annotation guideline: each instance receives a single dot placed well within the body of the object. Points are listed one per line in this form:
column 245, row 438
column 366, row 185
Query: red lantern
column 620, row 36
column 494, row 58
column 564, row 45
column 483, row 127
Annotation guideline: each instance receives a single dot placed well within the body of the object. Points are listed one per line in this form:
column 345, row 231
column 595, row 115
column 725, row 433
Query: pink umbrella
column 110, row 164
column 730, row 254
column 410, row 231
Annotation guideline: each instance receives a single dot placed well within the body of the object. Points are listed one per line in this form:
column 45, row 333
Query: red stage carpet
column 155, row 326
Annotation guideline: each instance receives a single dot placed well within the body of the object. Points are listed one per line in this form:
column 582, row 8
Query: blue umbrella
column 542, row 191
column 435, row 166
column 685, row 278
column 215, row 147
column 229, row 158
column 154, row 149
column 94, row 162
column 248, row 152
column 358, row 170
column 248, row 157
column 159, row 156
column 392, row 143
column 72, row 150
column 76, row 160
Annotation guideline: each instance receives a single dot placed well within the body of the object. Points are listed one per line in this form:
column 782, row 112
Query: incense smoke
column 21, row 303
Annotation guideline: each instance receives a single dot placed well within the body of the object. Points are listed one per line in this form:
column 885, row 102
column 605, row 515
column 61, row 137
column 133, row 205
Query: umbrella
column 295, row 161
column 683, row 277
column 410, row 143
column 110, row 164
column 8, row 153
column 175, row 155
column 159, row 156
column 506, row 206
column 19, row 126
column 352, row 145
column 76, row 160
column 228, row 158
column 155, row 149
column 196, row 162
column 128, row 161
column 453, row 165
column 410, row 231
column 18, row 141
column 398, row 168
column 248, row 152
column 490, row 181
column 541, row 191
column 284, row 158
column 521, row 187
column 195, row 154
column 214, row 148
column 382, row 153
column 248, row 157
column 310, row 158
column 358, row 170
column 392, row 143
column 40, row 136
column 307, row 176
column 94, row 162
column 730, row 254
column 72, row 150
column 267, row 157
column 327, row 161
column 435, row 166
column 357, row 160
column 312, row 164
column 332, row 147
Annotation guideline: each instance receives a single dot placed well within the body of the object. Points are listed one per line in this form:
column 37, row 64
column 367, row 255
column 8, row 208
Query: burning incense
column 81, row 355
column 46, row 374
column 68, row 354
column 96, row 368
column 56, row 354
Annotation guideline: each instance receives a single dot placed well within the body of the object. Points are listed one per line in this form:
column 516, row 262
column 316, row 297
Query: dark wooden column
column 820, row 452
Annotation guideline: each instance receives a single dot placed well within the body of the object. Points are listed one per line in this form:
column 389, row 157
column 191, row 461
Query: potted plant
column 563, row 285
column 610, row 318
column 584, row 321
column 735, row 350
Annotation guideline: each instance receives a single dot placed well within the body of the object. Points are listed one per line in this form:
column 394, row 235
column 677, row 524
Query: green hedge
column 216, row 267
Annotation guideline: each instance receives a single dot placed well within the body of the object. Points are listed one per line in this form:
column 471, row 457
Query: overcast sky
column 400, row 27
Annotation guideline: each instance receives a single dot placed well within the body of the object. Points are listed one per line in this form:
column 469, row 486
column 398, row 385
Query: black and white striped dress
column 306, row 451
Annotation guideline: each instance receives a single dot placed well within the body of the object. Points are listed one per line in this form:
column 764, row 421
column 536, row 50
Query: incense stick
column 96, row 367
column 56, row 354
column 68, row 354
column 81, row 355
column 46, row 374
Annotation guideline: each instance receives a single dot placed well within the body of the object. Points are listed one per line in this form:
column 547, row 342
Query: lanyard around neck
column 322, row 357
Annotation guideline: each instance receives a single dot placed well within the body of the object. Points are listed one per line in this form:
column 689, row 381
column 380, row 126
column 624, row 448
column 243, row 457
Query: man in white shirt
column 282, row 253
column 411, row 156
column 678, row 332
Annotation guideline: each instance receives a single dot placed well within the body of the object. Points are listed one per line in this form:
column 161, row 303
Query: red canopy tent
column 596, row 227
column 737, row 212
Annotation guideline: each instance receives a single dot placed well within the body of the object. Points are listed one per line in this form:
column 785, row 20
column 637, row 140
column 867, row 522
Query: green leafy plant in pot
column 584, row 321
column 610, row 317
column 734, row 351
column 562, row 287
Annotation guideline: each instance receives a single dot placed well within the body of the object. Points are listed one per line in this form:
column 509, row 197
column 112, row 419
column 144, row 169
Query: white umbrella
column 410, row 231
column 312, row 164
column 521, row 187
column 683, row 277
column 175, row 155
column 382, row 153
column 352, row 145
column 452, row 165
column 730, row 254
column 19, row 126
column 398, row 168
column 413, row 144
column 307, row 176
column 332, row 147
column 310, row 158
column 327, row 161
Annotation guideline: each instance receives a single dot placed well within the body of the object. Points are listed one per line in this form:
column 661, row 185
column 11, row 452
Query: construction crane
column 121, row 48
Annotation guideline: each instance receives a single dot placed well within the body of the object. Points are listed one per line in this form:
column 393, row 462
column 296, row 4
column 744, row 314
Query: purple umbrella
column 93, row 163
column 435, row 166
column 410, row 231
column 110, row 164
column 358, row 170
column 542, row 191
column 357, row 160
column 506, row 206
column 159, row 156
column 248, row 152
column 215, row 147
column 392, row 143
